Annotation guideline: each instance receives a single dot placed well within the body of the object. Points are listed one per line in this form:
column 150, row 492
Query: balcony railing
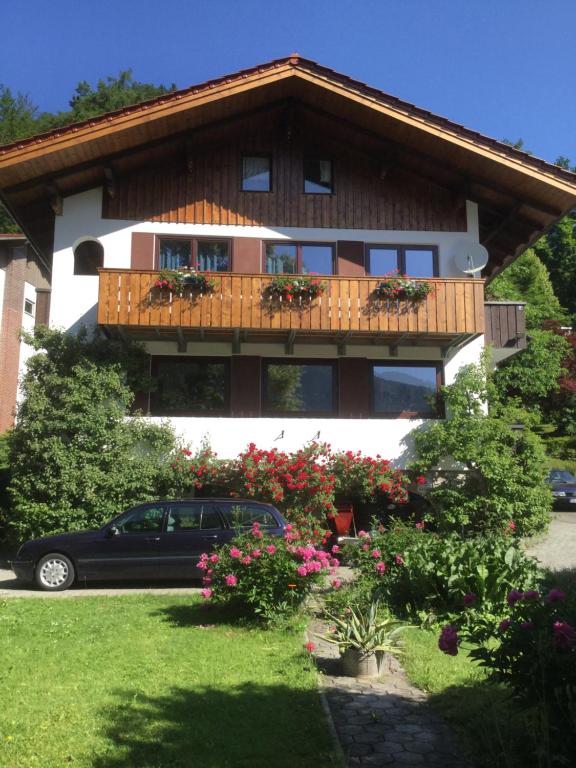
column 128, row 298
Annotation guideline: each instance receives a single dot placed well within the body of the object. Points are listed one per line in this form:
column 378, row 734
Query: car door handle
column 152, row 538
column 210, row 536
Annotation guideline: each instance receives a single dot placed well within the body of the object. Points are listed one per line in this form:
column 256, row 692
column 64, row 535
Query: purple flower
column 555, row 596
column 504, row 625
column 564, row 635
column 514, row 596
column 448, row 641
column 531, row 594
column 469, row 598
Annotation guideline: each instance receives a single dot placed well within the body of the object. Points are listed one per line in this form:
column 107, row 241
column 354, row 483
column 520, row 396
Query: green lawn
column 153, row 681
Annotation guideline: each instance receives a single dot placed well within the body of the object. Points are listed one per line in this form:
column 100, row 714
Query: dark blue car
column 156, row 540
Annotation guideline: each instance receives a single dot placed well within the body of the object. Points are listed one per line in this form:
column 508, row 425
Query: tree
column 492, row 476
column 75, row 458
column 558, row 252
column 527, row 279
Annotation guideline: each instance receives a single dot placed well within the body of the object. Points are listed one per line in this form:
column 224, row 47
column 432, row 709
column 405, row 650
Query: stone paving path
column 383, row 722
column 557, row 549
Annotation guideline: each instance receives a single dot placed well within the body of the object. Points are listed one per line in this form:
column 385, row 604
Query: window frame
column 401, row 257
column 32, row 311
column 268, row 413
column 154, row 359
column 267, row 156
column 438, row 365
column 298, row 244
column 311, row 159
column 193, row 240
column 175, row 506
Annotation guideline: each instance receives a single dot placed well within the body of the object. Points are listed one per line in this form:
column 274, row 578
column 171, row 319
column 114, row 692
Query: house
column 24, row 303
column 292, row 168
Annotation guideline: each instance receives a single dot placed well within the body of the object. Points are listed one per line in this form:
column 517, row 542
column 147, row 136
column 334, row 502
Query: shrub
column 266, row 576
column 424, row 575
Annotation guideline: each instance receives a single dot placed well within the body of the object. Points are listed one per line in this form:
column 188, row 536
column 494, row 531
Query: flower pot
column 343, row 520
column 360, row 664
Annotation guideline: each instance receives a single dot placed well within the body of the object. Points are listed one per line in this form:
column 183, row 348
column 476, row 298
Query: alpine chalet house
column 248, row 231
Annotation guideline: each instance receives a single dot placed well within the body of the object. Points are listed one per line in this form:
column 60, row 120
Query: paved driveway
column 557, row 550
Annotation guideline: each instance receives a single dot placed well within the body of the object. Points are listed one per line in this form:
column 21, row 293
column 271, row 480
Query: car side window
column 146, row 520
column 193, row 517
column 242, row 515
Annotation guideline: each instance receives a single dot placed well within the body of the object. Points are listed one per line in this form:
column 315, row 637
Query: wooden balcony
column 129, row 303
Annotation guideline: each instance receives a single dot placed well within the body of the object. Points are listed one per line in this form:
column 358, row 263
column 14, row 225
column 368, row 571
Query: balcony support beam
column 236, row 343
column 394, row 347
column 182, row 344
column 341, row 344
column 289, row 348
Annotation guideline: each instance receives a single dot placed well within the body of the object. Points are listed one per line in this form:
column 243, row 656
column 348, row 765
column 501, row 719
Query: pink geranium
column 231, row 580
column 270, row 549
column 206, row 593
column 302, row 570
column 380, row 567
column 235, row 552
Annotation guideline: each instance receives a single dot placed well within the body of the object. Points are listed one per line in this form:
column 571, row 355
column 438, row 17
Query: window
column 203, row 255
column 146, row 520
column 193, row 517
column 88, row 257
column 299, row 388
column 412, row 260
column 318, row 177
column 256, row 174
column 299, row 258
column 29, row 307
column 409, row 389
column 245, row 515
column 189, row 386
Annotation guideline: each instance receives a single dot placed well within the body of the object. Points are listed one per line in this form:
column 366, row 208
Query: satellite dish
column 470, row 257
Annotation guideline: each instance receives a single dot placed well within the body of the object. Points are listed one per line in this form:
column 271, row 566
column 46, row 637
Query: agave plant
column 365, row 631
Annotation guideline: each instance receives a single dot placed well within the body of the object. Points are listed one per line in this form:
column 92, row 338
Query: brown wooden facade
column 128, row 299
column 506, row 324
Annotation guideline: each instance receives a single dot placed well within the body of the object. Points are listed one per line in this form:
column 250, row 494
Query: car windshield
column 561, row 476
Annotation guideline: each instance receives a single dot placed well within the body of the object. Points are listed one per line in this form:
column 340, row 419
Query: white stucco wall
column 74, row 297
column 28, row 321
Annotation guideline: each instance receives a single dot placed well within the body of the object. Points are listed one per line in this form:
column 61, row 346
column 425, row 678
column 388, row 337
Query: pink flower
column 380, row 567
column 214, row 559
column 270, row 549
column 564, row 635
column 399, row 560
column 206, row 593
column 514, row 596
column 202, row 564
column 420, row 526
column 376, row 554
column 363, row 535
column 555, row 596
column 302, row 570
column 511, row 526
column 336, row 583
column 335, row 549
column 246, row 560
column 231, row 580
column 256, row 553
column 448, row 641
column 504, row 625
column 310, row 647
column 469, row 598
column 531, row 594
column 421, row 480
column 235, row 552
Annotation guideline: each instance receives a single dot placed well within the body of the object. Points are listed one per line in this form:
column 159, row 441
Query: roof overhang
column 519, row 196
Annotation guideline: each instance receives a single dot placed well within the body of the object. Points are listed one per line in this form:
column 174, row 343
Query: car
column 155, row 540
column 563, row 487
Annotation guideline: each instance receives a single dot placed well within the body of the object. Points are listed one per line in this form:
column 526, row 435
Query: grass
column 153, row 681
column 496, row 734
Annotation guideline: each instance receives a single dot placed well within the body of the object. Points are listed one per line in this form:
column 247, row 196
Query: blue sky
column 503, row 67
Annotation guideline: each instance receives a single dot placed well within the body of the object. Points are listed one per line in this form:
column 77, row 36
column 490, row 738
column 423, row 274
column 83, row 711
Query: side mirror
column 112, row 531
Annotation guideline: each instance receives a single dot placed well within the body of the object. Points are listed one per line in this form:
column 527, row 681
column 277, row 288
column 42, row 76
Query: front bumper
column 24, row 569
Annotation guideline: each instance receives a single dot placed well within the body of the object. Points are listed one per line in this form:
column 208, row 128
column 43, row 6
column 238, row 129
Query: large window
column 304, row 388
column 256, row 174
column 299, row 258
column 412, row 260
column 189, row 386
column 318, row 177
column 405, row 390
column 203, row 255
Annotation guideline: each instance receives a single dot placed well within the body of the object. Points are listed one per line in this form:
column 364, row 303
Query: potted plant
column 395, row 286
column 289, row 287
column 176, row 280
column 363, row 638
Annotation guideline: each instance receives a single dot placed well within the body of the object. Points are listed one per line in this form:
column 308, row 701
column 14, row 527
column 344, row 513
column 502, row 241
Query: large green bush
column 75, row 458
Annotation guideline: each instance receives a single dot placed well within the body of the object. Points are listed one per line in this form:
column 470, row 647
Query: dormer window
column 318, row 177
column 256, row 173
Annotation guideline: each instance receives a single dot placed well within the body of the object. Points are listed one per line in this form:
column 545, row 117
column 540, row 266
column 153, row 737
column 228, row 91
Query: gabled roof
column 519, row 195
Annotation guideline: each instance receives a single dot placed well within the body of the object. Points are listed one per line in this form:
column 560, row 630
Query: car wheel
column 54, row 572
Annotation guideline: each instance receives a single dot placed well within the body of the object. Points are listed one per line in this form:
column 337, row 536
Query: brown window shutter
column 355, row 387
column 142, row 256
column 247, row 255
column 245, row 386
column 42, row 306
column 351, row 258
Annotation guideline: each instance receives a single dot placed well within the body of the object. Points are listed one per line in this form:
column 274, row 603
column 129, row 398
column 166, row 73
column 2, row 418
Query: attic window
column 256, row 174
column 88, row 257
column 29, row 307
column 318, row 177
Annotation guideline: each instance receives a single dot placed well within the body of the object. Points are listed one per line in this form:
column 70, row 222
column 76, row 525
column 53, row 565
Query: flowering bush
column 397, row 286
column 422, row 574
column 176, row 280
column 267, row 576
column 290, row 287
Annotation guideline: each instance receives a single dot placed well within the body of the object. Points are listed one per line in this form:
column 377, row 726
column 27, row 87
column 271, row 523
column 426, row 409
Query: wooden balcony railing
column 128, row 298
